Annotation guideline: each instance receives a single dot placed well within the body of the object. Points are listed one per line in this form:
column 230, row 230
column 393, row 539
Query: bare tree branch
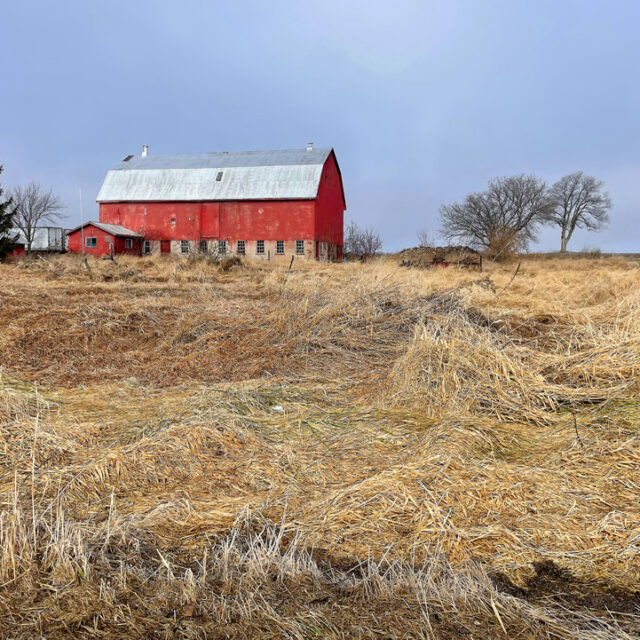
column 505, row 216
column 425, row 239
column 578, row 202
column 34, row 205
column 364, row 243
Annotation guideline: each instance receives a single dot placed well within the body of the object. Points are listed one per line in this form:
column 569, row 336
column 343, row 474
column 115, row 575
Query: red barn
column 262, row 204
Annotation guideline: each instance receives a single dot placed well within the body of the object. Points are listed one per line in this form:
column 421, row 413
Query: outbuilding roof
column 248, row 175
column 113, row 229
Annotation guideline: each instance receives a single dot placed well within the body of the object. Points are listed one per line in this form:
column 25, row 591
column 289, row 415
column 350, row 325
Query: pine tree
column 7, row 239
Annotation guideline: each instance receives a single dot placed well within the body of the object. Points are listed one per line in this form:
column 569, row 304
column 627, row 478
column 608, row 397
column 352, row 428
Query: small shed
column 43, row 240
column 101, row 239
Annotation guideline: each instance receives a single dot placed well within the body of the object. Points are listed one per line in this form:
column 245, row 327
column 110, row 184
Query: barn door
column 165, row 246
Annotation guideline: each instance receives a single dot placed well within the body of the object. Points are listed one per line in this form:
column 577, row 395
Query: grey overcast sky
column 422, row 101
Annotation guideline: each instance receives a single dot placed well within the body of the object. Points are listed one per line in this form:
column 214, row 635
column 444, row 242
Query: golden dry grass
column 349, row 451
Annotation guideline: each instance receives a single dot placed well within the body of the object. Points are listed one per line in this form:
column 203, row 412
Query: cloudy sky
column 422, row 101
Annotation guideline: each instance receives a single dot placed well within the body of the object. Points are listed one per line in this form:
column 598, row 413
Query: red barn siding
column 210, row 220
column 330, row 205
column 135, row 250
column 269, row 220
column 153, row 219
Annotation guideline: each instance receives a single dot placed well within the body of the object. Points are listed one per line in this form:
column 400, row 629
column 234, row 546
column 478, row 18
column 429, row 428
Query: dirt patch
column 553, row 584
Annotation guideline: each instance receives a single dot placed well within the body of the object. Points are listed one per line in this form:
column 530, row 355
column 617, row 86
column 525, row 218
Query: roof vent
column 145, row 150
column 309, row 146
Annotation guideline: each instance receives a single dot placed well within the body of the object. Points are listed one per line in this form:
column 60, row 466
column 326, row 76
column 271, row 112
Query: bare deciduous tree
column 364, row 243
column 502, row 219
column 425, row 239
column 579, row 202
column 34, row 205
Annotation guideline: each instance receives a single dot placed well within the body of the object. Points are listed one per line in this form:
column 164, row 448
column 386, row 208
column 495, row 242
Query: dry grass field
column 352, row 451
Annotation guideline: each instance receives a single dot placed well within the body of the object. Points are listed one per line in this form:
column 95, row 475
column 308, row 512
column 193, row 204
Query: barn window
column 240, row 245
column 222, row 247
column 280, row 246
column 219, row 176
column 300, row 247
column 91, row 242
column 173, row 220
column 147, row 246
column 128, row 243
column 259, row 246
column 203, row 246
column 184, row 246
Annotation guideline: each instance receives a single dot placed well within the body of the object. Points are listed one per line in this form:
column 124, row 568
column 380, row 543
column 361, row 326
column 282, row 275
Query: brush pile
column 343, row 451
column 430, row 257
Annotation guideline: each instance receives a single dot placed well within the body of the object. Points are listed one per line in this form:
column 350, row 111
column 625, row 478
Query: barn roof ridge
column 226, row 159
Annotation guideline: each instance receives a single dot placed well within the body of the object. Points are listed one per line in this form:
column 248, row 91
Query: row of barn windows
column 241, row 246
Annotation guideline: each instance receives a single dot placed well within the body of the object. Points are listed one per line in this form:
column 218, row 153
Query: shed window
column 240, row 247
column 219, row 176
column 222, row 247
column 128, row 243
column 147, row 247
column 280, row 246
column 300, row 247
column 259, row 246
column 184, row 246
column 91, row 242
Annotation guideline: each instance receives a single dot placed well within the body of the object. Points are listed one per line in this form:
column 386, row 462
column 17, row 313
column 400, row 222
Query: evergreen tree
column 7, row 210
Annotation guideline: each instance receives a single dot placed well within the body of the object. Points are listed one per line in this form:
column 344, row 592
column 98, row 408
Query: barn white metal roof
column 248, row 175
column 113, row 229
